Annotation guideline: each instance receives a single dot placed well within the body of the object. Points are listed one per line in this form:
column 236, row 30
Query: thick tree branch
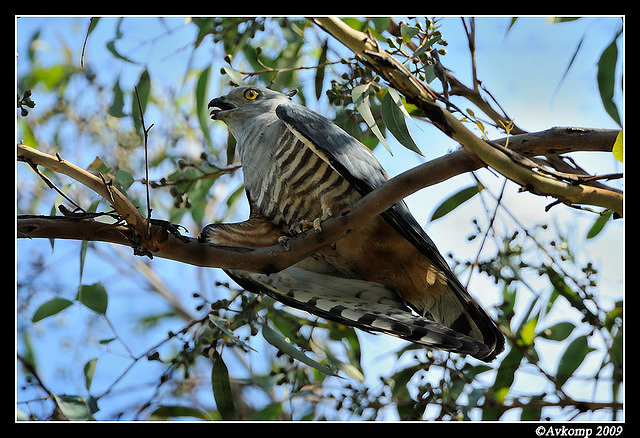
column 421, row 95
column 170, row 245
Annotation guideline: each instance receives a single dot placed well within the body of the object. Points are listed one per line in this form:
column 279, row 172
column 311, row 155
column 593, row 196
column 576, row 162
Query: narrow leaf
column 222, row 388
column 425, row 46
column 361, row 102
column 607, row 78
column 171, row 411
column 202, row 94
column 89, row 370
column 572, row 358
column 454, row 201
column 117, row 105
column 111, row 46
column 322, row 59
column 283, row 344
column 393, row 114
column 222, row 325
column 51, row 307
column 144, row 87
column 503, row 381
column 599, row 224
column 573, row 57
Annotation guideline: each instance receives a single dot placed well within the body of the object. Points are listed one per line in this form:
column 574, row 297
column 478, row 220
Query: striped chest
column 299, row 185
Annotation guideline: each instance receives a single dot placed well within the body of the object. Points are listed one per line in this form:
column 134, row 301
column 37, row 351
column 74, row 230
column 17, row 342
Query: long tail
column 357, row 303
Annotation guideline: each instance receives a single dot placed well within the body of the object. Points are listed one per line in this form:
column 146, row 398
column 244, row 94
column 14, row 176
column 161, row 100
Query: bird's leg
column 255, row 232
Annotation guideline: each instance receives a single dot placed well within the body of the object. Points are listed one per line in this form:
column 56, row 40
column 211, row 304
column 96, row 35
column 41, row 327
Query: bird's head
column 246, row 102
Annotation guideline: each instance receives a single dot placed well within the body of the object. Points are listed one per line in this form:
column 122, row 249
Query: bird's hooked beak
column 219, row 105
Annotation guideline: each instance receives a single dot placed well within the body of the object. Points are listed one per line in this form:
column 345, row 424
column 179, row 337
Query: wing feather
column 357, row 303
column 357, row 164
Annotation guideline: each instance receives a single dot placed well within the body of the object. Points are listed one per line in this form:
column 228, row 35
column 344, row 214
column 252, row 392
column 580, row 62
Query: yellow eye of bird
column 250, row 94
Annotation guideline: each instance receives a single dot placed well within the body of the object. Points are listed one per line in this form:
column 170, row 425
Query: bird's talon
column 284, row 242
column 316, row 225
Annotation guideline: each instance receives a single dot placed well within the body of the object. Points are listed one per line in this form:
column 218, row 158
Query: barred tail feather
column 357, row 303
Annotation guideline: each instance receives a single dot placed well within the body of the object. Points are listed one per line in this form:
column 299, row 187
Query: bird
column 387, row 276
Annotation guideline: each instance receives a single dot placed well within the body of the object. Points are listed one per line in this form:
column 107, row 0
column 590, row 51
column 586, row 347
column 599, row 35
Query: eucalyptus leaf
column 572, row 358
column 94, row 296
column 361, row 101
column 599, row 224
column 51, row 307
column 173, row 411
column 140, row 99
column 89, row 369
column 322, row 59
column 393, row 114
column 606, row 79
column 222, row 388
column 202, row 96
column 454, row 201
column 559, row 331
column 283, row 344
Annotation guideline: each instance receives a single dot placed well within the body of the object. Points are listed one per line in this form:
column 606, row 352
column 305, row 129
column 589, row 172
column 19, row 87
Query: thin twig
column 51, row 185
column 145, row 132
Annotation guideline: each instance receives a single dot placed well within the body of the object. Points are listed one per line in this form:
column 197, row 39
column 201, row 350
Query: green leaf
column 393, row 114
column 283, row 344
column 527, row 332
column 117, row 105
column 319, row 79
column 426, row 46
column 455, row 200
column 83, row 254
column 222, row 388
column 607, row 78
column 599, row 224
column 171, row 411
column 51, row 307
column 572, row 358
column 202, row 96
column 617, row 147
column 123, row 179
column 269, row 412
column 361, row 101
column 89, row 369
column 559, row 331
column 222, row 326
column 144, row 87
column 111, row 46
column 94, row 296
column 407, row 32
column 506, row 373
column 561, row 19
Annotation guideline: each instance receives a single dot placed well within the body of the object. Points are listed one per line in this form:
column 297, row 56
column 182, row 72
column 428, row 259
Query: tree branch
column 426, row 99
column 170, row 245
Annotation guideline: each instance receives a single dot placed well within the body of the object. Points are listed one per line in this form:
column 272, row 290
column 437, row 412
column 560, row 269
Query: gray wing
column 360, row 168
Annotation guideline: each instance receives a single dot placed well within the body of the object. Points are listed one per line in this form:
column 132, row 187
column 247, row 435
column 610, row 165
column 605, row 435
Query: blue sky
column 522, row 68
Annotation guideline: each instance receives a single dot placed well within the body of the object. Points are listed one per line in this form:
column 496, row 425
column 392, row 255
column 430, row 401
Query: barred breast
column 300, row 185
